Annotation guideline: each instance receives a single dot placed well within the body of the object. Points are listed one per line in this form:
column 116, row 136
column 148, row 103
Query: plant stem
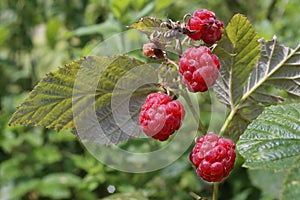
column 215, row 192
column 196, row 116
column 227, row 121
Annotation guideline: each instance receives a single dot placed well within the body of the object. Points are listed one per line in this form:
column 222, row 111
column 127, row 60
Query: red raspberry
column 205, row 26
column 161, row 116
column 199, row 68
column 213, row 156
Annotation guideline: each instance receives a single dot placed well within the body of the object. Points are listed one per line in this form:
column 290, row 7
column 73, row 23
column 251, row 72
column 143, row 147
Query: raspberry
column 205, row 26
column 161, row 116
column 199, row 68
column 152, row 50
column 213, row 157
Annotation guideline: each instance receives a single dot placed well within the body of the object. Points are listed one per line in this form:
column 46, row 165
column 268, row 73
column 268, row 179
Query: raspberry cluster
column 161, row 116
column 199, row 68
column 213, row 157
column 205, row 26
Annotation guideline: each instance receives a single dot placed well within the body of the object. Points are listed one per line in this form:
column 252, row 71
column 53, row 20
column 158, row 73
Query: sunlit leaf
column 82, row 92
column 147, row 25
column 249, row 71
column 238, row 51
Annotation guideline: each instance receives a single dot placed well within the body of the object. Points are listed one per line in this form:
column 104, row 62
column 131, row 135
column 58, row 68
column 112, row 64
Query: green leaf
column 272, row 182
column 119, row 7
column 46, row 154
column 238, row 51
column 160, row 5
column 131, row 196
column 247, row 77
column 56, row 185
column 52, row 29
column 48, row 104
column 278, row 66
column 82, row 92
column 147, row 25
column 272, row 141
column 291, row 186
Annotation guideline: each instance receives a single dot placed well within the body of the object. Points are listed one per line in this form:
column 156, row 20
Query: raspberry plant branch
column 228, row 119
column 243, row 64
column 186, row 97
column 215, row 191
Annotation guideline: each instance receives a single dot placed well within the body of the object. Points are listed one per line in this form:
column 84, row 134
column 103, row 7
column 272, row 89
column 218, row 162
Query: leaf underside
column 249, row 69
column 79, row 97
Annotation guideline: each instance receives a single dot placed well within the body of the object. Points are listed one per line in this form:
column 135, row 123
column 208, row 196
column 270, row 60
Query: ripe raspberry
column 206, row 26
column 199, row 68
column 213, row 156
column 161, row 116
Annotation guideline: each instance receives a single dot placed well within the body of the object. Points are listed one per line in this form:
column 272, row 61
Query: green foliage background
column 37, row 36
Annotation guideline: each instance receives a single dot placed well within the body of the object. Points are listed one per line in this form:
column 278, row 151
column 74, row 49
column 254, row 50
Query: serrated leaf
column 241, row 120
column 84, row 89
column 278, row 66
column 238, row 51
column 147, row 24
column 45, row 105
column 272, row 141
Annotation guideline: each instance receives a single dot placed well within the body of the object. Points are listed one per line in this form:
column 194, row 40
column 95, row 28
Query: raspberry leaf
column 82, row 96
column 147, row 25
column 291, row 188
column 278, row 66
column 272, row 141
column 238, row 51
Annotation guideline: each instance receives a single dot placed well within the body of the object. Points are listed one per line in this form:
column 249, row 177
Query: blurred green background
column 36, row 36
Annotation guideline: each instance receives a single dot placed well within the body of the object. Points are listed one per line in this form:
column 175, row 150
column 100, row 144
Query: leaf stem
column 216, row 190
column 227, row 121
